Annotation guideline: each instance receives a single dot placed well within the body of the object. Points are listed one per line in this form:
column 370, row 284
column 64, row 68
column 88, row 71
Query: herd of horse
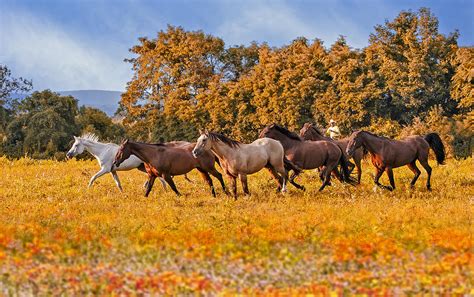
column 277, row 149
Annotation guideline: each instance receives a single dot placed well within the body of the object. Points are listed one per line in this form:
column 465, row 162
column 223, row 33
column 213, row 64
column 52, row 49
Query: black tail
column 346, row 175
column 437, row 146
column 290, row 166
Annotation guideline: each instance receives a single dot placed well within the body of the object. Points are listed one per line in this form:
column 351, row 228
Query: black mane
column 224, row 139
column 375, row 135
column 285, row 132
column 313, row 127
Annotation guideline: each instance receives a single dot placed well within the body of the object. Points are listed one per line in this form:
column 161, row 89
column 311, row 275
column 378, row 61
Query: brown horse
column 309, row 154
column 387, row 154
column 311, row 132
column 164, row 161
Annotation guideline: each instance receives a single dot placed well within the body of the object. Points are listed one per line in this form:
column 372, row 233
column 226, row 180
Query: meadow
column 59, row 238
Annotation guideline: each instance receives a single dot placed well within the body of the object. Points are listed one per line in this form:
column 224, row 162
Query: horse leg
column 243, row 181
column 428, row 169
column 170, row 182
column 187, row 178
column 378, row 174
column 416, row 171
column 213, row 171
column 208, row 179
column 151, row 181
column 233, row 184
column 275, row 176
column 281, row 180
column 101, row 172
column 117, row 180
column 389, row 171
column 326, row 176
column 359, row 169
column 284, row 177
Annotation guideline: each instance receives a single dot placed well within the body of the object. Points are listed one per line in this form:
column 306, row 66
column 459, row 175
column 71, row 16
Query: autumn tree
column 462, row 86
column 170, row 72
column 344, row 100
column 409, row 62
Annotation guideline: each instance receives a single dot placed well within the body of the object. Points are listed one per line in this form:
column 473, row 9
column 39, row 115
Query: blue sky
column 70, row 45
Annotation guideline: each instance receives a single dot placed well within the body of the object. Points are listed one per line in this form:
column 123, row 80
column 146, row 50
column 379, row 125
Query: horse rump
column 436, row 144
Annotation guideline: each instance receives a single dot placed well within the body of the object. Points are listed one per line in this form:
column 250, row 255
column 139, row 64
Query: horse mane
column 285, row 132
column 90, row 136
column 315, row 129
column 375, row 135
column 224, row 139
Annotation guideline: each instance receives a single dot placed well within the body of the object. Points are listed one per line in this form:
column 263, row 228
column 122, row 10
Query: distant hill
column 106, row 101
column 103, row 100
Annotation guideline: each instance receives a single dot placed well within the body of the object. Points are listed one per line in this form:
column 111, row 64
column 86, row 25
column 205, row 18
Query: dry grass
column 57, row 237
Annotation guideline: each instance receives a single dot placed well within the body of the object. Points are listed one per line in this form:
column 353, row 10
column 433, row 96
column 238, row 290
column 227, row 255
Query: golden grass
column 58, row 237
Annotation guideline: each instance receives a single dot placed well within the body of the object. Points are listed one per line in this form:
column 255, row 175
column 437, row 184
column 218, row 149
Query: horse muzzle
column 196, row 153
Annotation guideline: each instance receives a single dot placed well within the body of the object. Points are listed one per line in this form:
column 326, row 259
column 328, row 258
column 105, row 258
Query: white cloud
column 38, row 49
column 280, row 22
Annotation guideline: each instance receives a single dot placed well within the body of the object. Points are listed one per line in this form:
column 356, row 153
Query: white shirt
column 334, row 132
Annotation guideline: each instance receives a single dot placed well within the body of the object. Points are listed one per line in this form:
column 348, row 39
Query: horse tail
column 291, row 166
column 436, row 144
column 346, row 175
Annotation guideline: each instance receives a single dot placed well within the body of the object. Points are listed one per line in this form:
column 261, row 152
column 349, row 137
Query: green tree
column 43, row 126
column 96, row 121
column 8, row 86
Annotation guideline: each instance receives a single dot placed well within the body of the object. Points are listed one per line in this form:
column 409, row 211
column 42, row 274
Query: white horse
column 240, row 159
column 105, row 154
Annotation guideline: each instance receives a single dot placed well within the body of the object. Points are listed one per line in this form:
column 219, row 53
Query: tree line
column 410, row 79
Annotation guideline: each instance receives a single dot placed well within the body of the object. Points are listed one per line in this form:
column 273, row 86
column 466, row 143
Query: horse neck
column 372, row 143
column 316, row 136
column 222, row 150
column 286, row 141
column 139, row 150
column 95, row 148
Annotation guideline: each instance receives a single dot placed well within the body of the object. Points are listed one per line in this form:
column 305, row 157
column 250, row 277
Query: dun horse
column 309, row 154
column 387, row 154
column 240, row 159
column 165, row 162
column 311, row 132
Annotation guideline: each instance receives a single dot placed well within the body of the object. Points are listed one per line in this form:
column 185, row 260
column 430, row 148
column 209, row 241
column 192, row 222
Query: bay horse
column 309, row 154
column 387, row 154
column 311, row 132
column 241, row 159
column 165, row 162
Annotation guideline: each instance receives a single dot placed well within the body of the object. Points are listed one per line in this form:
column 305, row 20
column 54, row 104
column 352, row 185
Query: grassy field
column 58, row 237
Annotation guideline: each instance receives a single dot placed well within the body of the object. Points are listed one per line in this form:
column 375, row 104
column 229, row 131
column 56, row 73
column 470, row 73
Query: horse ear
column 206, row 131
column 125, row 141
column 75, row 137
column 201, row 132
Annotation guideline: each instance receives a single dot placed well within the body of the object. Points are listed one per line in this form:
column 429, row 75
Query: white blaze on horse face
column 202, row 144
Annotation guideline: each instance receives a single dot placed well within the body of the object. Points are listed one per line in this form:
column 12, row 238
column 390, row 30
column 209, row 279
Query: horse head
column 76, row 149
column 123, row 153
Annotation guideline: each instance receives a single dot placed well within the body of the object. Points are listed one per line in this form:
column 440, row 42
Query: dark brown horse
column 387, row 154
column 164, row 161
column 309, row 154
column 311, row 132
